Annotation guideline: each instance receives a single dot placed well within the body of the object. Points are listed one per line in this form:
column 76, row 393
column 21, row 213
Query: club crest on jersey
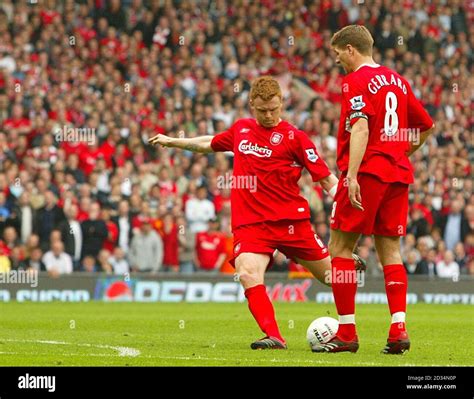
column 312, row 157
column 276, row 138
column 357, row 103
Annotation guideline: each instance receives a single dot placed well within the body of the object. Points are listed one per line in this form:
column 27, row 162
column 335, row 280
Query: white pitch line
column 123, row 351
column 111, row 355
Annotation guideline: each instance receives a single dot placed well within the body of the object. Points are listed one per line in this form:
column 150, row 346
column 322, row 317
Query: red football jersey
column 209, row 245
column 385, row 99
column 267, row 166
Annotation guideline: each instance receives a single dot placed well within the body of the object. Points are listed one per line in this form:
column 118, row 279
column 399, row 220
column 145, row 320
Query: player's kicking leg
column 344, row 287
column 320, row 269
column 388, row 250
column 250, row 268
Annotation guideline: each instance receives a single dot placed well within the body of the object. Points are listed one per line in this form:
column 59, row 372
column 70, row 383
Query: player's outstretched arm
column 195, row 144
column 423, row 136
column 358, row 145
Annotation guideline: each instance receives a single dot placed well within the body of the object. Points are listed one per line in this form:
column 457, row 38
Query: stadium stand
column 84, row 84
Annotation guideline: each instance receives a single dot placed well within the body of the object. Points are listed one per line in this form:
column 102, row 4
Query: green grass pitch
column 181, row 334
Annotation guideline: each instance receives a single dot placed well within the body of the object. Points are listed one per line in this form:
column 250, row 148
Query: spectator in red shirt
column 210, row 248
column 113, row 231
column 170, row 244
column 17, row 123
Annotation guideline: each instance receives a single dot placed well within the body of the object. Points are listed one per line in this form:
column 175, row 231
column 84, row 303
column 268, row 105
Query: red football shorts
column 294, row 238
column 385, row 208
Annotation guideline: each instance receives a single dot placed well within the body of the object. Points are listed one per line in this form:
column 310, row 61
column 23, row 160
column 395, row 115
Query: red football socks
column 344, row 288
column 262, row 310
column 396, row 285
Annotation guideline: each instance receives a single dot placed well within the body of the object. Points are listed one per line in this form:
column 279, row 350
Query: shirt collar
column 369, row 65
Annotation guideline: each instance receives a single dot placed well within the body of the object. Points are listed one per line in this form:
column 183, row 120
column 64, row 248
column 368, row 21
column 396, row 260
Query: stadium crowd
column 84, row 84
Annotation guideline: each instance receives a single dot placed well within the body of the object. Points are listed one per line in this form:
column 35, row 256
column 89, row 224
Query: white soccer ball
column 321, row 330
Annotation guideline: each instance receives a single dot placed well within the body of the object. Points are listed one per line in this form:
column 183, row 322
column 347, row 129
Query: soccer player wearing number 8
column 381, row 124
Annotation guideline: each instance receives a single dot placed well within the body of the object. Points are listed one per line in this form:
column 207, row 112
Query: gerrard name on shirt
column 381, row 80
